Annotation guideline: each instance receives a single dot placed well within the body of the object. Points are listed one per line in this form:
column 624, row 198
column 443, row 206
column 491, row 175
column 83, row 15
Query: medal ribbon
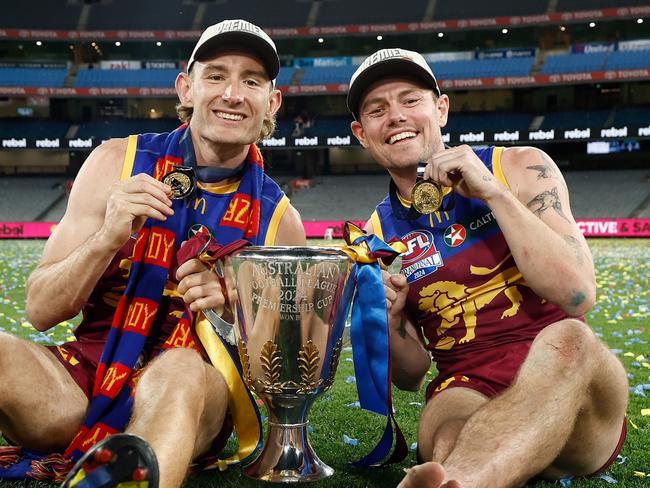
column 369, row 334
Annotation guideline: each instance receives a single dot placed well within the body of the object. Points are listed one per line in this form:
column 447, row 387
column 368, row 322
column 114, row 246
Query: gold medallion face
column 181, row 184
column 426, row 196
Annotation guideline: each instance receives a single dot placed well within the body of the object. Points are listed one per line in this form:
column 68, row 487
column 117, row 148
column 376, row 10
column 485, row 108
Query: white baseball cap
column 241, row 33
column 385, row 63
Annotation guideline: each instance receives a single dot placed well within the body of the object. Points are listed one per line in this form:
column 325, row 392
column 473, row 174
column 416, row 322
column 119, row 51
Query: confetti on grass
column 608, row 478
column 349, row 440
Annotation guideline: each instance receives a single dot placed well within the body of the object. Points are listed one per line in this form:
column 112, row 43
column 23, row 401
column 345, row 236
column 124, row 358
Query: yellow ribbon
column 241, row 405
column 361, row 252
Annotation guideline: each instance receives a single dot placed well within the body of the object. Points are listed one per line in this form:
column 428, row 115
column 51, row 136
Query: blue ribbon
column 370, row 344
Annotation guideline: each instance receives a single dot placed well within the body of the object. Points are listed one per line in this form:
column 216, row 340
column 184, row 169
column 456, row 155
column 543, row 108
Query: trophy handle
column 225, row 329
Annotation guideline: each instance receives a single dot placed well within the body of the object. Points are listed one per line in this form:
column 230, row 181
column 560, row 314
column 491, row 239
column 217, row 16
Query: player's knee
column 179, row 371
column 10, row 356
column 445, row 439
column 571, row 342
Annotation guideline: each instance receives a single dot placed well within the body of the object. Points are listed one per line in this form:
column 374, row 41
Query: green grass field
column 620, row 317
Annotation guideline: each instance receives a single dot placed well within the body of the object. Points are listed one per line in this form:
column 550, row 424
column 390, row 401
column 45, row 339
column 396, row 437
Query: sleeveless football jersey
column 213, row 206
column 465, row 290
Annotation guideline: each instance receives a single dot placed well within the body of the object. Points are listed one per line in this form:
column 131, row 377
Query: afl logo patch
column 454, row 235
column 421, row 257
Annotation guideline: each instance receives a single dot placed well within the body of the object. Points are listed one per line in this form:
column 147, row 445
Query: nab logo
column 454, row 235
column 417, row 243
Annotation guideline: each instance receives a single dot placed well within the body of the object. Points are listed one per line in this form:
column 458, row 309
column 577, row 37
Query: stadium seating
column 107, row 128
column 628, row 60
column 261, row 12
column 130, row 15
column 285, row 76
column 571, row 120
column 461, row 122
column 32, row 128
column 40, row 14
column 575, row 5
column 350, row 197
column 574, row 63
column 25, row 199
column 152, row 78
column 317, row 76
column 369, row 12
column 483, row 68
column 471, row 9
column 639, row 116
column 41, row 77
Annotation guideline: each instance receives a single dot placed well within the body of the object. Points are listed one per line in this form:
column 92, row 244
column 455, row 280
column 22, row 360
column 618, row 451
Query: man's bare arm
column 535, row 218
column 96, row 224
column 291, row 231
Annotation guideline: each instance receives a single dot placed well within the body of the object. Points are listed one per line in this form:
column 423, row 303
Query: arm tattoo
column 577, row 248
column 547, row 170
column 577, row 297
column 546, row 200
column 543, row 171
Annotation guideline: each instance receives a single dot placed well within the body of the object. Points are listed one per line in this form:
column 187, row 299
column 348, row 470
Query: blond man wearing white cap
column 493, row 288
column 125, row 254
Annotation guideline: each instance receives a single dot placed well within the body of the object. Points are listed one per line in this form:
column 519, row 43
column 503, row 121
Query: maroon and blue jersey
column 466, row 293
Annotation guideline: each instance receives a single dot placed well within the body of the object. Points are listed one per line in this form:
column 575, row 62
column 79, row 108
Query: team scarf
column 154, row 260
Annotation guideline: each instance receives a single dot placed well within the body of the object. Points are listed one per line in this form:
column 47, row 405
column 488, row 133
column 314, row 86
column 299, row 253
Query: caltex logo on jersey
column 455, row 235
column 421, row 257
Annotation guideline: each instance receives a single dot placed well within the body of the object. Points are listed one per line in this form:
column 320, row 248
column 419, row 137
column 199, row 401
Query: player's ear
column 184, row 89
column 442, row 103
column 359, row 133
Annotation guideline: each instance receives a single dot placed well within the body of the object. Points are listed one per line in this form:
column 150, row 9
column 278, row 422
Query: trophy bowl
column 290, row 306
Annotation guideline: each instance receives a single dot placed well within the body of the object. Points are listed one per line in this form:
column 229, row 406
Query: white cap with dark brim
column 388, row 63
column 234, row 33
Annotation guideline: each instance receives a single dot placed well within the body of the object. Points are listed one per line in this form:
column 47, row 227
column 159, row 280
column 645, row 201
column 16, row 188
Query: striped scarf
column 153, row 256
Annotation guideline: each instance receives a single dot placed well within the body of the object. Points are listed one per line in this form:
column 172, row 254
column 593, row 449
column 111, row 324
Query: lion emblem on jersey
column 453, row 301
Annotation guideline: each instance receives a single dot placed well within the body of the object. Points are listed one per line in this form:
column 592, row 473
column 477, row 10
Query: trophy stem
column 287, row 456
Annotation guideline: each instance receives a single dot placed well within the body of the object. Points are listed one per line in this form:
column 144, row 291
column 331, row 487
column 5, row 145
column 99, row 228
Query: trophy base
column 287, row 457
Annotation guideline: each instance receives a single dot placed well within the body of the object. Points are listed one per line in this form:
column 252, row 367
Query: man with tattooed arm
column 493, row 287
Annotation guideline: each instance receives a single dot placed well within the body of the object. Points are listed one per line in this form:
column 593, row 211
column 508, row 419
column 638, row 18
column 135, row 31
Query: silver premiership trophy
column 290, row 310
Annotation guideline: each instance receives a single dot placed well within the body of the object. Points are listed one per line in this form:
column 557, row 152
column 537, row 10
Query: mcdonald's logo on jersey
column 160, row 246
column 240, row 211
column 114, row 379
column 140, row 315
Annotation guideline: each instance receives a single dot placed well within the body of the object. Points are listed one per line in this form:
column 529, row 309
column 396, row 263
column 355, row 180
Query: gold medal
column 181, row 182
column 426, row 196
